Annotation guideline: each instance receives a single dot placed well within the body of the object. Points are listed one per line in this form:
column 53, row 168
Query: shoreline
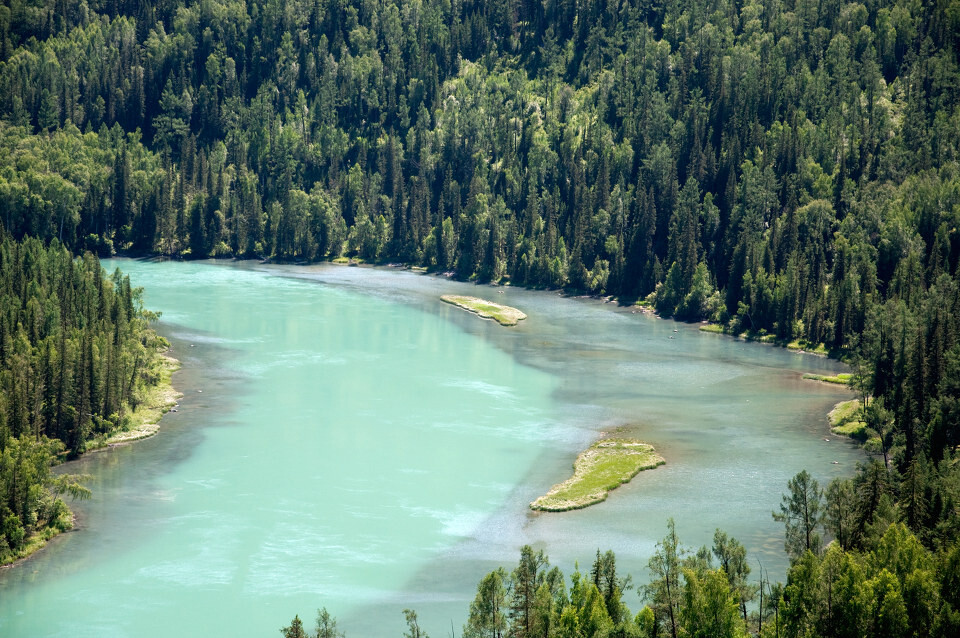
column 765, row 338
column 640, row 493
column 145, row 423
column 635, row 306
column 160, row 399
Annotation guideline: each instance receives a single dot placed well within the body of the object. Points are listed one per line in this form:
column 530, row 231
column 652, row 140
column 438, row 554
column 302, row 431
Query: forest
column 889, row 588
column 76, row 352
column 784, row 168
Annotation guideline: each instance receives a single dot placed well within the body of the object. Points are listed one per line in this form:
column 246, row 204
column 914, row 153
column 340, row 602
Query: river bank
column 145, row 418
column 141, row 422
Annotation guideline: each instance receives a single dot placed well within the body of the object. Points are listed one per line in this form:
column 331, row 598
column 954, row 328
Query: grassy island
column 504, row 315
column 602, row 467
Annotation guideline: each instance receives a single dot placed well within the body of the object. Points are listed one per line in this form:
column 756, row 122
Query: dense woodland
column 781, row 167
column 75, row 355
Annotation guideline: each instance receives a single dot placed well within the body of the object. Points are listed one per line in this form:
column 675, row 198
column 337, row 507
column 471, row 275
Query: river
column 347, row 440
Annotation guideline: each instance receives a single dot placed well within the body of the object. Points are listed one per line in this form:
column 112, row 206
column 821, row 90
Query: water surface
column 347, row 440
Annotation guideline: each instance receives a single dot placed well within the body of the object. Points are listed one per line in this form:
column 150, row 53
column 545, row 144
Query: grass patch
column 714, row 328
column 846, row 420
column 602, row 467
column 843, row 378
column 844, row 412
column 348, row 261
column 504, row 315
column 853, row 429
column 801, row 345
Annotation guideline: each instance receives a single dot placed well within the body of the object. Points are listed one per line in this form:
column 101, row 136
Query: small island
column 504, row 315
column 602, row 467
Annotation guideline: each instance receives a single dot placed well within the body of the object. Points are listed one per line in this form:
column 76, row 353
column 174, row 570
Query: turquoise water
column 347, row 440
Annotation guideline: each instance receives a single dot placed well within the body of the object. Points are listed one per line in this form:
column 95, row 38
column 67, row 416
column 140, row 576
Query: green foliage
column 76, row 355
column 890, row 591
column 327, row 625
column 732, row 556
column 664, row 592
column 526, row 581
column 789, row 168
column 710, row 607
column 893, row 587
column 413, row 626
column 295, row 630
column 840, row 512
column 488, row 611
column 800, row 512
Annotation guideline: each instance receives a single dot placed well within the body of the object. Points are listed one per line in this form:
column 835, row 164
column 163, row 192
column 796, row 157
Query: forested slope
column 75, row 355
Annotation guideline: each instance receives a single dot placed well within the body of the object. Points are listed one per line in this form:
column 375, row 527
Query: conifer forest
column 787, row 169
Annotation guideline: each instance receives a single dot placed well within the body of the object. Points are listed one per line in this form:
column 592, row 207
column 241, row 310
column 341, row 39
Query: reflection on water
column 360, row 445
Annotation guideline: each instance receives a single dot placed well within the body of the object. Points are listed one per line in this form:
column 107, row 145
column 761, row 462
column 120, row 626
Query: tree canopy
column 76, row 353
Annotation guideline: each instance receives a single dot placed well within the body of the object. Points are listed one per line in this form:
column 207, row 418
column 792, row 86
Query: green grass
column 504, row 315
column 602, row 467
column 844, row 412
column 853, row 429
column 802, row 345
column 845, row 420
column 841, row 379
